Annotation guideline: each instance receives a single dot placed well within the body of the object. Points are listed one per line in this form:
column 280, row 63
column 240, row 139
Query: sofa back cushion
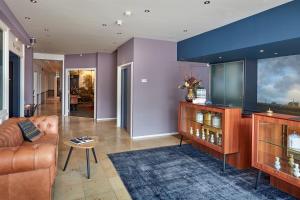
column 10, row 134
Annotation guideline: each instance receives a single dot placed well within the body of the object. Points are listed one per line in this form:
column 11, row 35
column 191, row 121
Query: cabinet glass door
column 217, row 84
column 234, row 83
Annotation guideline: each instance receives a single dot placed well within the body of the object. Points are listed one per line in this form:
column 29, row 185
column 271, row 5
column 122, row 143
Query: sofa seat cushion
column 45, row 139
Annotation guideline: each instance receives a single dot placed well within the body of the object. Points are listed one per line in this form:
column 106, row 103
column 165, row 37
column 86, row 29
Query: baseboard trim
column 153, row 136
column 106, row 119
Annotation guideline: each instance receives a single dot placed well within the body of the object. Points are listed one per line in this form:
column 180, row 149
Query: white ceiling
column 75, row 26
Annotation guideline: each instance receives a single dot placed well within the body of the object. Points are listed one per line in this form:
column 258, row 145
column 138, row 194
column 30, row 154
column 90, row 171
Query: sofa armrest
column 26, row 158
column 46, row 124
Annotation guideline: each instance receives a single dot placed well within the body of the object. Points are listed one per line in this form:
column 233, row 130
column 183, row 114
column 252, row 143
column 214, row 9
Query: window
column 1, row 69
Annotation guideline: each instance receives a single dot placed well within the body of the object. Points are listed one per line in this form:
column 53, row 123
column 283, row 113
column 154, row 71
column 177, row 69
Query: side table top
column 88, row 145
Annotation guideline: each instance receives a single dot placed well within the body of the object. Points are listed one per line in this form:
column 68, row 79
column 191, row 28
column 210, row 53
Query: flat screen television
column 278, row 84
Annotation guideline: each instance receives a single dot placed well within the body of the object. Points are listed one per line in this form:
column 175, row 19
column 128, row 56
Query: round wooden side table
column 87, row 147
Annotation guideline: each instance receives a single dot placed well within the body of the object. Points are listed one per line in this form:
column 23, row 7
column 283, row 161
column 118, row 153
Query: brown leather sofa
column 28, row 169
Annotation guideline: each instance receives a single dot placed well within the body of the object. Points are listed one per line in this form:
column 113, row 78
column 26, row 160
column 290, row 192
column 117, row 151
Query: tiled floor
column 105, row 182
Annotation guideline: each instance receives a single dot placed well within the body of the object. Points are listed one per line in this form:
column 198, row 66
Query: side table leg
column 88, row 162
column 68, row 158
column 181, row 140
column 257, row 179
column 94, row 153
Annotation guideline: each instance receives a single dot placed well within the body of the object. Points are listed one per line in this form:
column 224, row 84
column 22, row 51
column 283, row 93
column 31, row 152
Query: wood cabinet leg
column 257, row 179
column 181, row 140
column 224, row 162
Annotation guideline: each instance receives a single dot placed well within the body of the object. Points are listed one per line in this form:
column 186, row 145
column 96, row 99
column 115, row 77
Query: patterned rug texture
column 184, row 172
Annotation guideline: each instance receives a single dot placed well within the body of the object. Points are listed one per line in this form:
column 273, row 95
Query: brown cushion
column 45, row 139
column 10, row 134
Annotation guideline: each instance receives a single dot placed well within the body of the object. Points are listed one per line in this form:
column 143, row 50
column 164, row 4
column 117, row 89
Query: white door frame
column 57, row 57
column 119, row 93
column 5, row 90
column 67, row 91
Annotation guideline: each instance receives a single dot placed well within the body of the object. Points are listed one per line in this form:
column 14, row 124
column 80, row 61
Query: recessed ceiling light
column 46, row 30
column 147, row 11
column 185, row 30
column 27, row 18
column 104, row 25
column 119, row 22
column 119, row 33
column 261, row 51
column 17, row 39
column 275, row 53
column 127, row 13
column 206, row 2
column 220, row 57
column 33, row 1
column 81, row 54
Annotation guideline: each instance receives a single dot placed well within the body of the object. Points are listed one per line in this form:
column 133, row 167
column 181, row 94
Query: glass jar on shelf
column 199, row 117
column 207, row 118
column 216, row 120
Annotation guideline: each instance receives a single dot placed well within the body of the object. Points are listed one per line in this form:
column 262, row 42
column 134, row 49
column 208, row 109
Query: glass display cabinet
column 214, row 127
column 276, row 146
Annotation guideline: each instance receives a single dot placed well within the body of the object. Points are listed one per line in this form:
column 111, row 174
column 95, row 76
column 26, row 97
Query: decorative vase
column 190, row 95
column 277, row 163
column 296, row 170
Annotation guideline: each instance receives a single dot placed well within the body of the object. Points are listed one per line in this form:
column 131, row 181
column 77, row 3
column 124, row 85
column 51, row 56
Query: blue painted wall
column 274, row 25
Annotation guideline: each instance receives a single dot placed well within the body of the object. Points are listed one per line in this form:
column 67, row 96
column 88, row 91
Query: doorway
column 14, row 85
column 82, row 90
column 125, row 97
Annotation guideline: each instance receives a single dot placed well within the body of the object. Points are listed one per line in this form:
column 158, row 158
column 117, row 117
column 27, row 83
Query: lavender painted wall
column 7, row 17
column 125, row 52
column 84, row 61
column 155, row 103
column 28, row 79
column 106, row 79
column 107, row 85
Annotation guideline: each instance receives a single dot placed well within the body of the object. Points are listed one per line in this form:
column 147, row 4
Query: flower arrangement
column 191, row 84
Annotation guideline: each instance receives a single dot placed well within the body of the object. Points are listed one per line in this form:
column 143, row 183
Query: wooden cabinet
column 215, row 128
column 276, row 135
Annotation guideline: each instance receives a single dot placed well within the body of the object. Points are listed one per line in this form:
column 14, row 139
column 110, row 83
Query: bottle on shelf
column 203, row 134
column 207, row 134
column 294, row 141
column 191, row 131
column 277, row 163
column 197, row 132
column 207, row 118
column 216, row 120
column 199, row 117
column 212, row 138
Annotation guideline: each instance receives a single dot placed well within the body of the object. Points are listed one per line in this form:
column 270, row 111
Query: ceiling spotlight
column 119, row 22
column 81, row 54
column 147, row 11
column 16, row 39
column 32, row 41
column 185, row 30
column 104, row 25
column 119, row 33
column 206, row 2
column 33, row 1
column 276, row 53
column 28, row 46
column 27, row 18
column 220, row 57
column 46, row 30
column 261, row 51
column 127, row 13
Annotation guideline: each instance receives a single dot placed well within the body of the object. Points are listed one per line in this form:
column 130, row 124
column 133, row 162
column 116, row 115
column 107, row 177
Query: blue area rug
column 187, row 173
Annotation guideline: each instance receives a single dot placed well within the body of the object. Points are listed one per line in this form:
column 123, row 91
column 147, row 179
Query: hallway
column 105, row 183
